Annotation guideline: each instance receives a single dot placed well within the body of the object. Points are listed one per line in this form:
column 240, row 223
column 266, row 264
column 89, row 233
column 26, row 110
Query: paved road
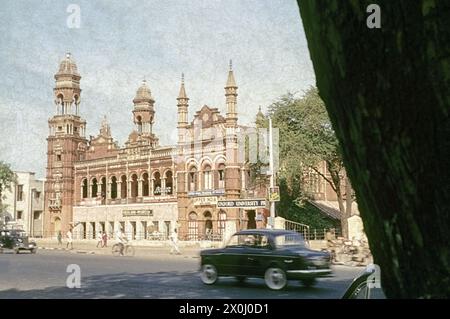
column 159, row 276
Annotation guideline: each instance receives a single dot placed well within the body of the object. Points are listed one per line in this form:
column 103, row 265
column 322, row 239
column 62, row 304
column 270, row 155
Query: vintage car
column 275, row 255
column 16, row 240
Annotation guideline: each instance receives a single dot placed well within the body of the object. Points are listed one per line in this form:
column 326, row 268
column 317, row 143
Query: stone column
column 89, row 190
column 163, row 187
column 139, row 230
column 140, row 181
column 128, row 230
column 119, row 189
column 108, row 190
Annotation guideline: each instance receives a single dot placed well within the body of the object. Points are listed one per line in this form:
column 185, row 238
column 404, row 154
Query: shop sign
column 137, row 212
column 242, row 203
column 205, row 201
column 274, row 194
column 214, row 192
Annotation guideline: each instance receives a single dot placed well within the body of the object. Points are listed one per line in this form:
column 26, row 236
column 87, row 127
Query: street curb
column 88, row 252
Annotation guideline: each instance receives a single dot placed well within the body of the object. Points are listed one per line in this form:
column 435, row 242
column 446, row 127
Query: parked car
column 17, row 240
column 275, row 255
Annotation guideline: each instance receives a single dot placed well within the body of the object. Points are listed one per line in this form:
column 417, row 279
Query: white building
column 24, row 204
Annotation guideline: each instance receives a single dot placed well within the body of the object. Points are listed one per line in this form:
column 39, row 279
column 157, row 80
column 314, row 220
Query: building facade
column 24, row 204
column 144, row 188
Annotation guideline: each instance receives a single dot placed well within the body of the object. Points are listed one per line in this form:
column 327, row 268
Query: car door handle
column 251, row 259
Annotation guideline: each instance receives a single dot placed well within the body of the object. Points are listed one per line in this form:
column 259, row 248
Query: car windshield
column 251, row 240
column 289, row 240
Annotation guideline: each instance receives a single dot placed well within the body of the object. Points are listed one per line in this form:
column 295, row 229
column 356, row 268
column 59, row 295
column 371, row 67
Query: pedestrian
column 105, row 239
column 174, row 243
column 121, row 240
column 69, row 239
column 99, row 239
column 59, row 237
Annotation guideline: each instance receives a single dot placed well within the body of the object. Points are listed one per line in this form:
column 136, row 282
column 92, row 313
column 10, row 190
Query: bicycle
column 128, row 250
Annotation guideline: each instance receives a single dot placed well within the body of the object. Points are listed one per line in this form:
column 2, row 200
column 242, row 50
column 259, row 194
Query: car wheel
column 308, row 282
column 33, row 251
column 275, row 278
column 16, row 251
column 209, row 274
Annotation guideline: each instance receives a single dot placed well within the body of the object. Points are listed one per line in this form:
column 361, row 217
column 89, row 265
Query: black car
column 17, row 240
column 275, row 255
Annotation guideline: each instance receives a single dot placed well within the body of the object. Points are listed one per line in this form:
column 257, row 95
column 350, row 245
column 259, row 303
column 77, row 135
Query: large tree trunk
column 344, row 217
column 387, row 94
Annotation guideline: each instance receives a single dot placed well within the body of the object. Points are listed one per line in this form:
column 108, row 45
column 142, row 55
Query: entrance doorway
column 251, row 222
column 143, row 234
column 57, row 225
column 133, row 230
column 83, row 230
column 93, row 234
column 208, row 225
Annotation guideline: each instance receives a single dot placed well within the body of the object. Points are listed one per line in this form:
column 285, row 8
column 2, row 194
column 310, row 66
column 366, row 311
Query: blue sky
column 121, row 42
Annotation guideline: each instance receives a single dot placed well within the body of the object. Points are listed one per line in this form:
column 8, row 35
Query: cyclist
column 122, row 240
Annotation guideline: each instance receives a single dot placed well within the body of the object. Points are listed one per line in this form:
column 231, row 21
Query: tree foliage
column 307, row 138
column 7, row 178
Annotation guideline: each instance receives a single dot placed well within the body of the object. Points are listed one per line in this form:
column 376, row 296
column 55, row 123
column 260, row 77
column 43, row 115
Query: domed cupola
column 67, row 67
column 143, row 94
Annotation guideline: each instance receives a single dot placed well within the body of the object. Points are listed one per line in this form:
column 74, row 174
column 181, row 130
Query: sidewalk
column 89, row 247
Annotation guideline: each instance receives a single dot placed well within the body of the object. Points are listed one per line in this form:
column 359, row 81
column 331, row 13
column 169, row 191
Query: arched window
column 192, row 179
column 139, row 123
column 60, row 104
column 113, row 187
column 123, row 187
column 221, row 222
column 169, row 183
column 192, row 226
column 134, row 186
column 157, row 184
column 207, row 177
column 145, row 184
column 221, row 175
column 94, row 189
column 85, row 188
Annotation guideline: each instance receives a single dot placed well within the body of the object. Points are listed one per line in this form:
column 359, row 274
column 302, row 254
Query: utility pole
column 272, row 177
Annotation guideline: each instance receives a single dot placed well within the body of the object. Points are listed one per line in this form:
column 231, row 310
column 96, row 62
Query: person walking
column 174, row 243
column 99, row 239
column 59, row 237
column 105, row 239
column 69, row 239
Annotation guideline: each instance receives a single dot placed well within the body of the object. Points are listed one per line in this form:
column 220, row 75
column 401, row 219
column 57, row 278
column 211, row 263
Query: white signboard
column 204, row 201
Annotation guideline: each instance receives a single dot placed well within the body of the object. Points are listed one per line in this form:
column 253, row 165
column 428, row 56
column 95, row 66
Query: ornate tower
column 183, row 144
column 66, row 144
column 144, row 113
column 232, row 180
column 182, row 107
column 231, row 99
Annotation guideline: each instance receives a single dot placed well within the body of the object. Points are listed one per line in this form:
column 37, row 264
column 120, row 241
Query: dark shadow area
column 173, row 285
